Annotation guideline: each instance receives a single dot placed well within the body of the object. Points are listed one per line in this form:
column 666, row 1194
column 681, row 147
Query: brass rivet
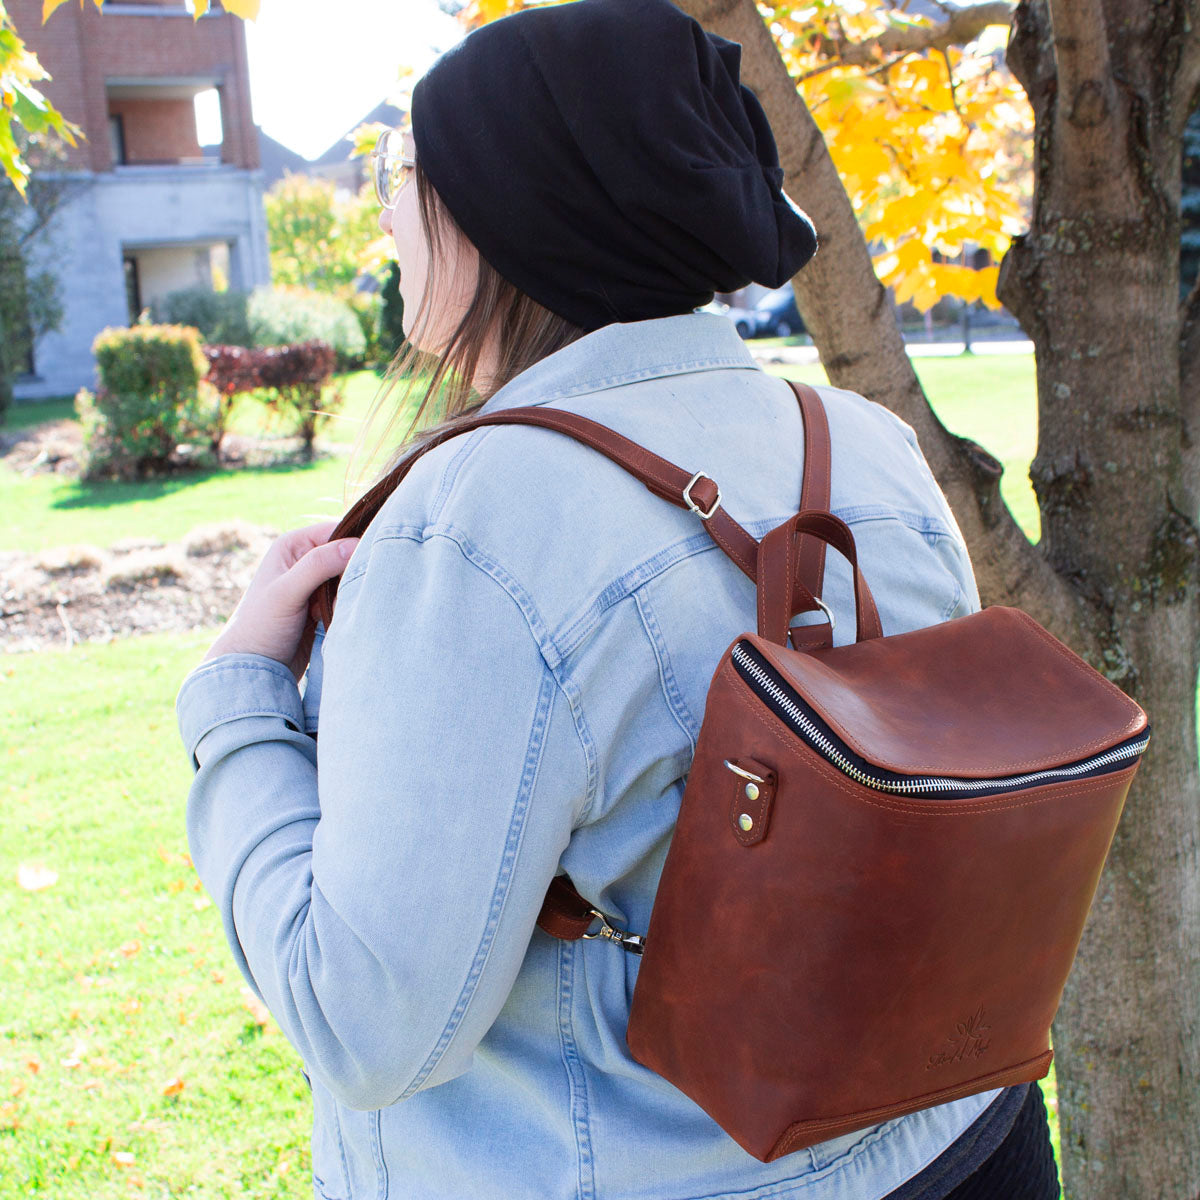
column 746, row 821
column 752, row 791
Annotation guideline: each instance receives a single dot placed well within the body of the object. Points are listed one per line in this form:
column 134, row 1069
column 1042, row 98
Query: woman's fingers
column 324, row 561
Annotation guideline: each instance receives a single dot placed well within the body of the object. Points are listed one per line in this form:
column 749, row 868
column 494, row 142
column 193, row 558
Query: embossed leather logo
column 969, row 1040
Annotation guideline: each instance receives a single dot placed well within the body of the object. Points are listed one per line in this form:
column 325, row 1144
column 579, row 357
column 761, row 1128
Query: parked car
column 778, row 315
column 746, row 321
column 775, row 315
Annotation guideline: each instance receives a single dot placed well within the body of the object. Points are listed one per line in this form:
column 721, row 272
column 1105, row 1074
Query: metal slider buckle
column 704, row 516
column 632, row 942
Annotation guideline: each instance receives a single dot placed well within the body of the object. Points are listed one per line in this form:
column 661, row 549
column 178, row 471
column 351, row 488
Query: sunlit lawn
column 131, row 1063
column 988, row 398
column 45, row 510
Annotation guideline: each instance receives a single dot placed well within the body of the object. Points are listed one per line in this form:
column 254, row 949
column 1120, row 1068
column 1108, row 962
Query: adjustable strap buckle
column 634, row 943
column 704, row 516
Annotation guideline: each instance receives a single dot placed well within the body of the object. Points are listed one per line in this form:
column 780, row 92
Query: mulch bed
column 82, row 592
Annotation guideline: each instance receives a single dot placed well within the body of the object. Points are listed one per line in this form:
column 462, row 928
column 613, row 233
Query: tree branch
column 1080, row 42
column 1189, row 383
column 1089, row 113
column 1186, row 97
column 962, row 25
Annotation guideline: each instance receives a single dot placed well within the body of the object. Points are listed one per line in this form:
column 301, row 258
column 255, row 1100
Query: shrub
column 286, row 316
column 367, row 308
column 391, row 316
column 152, row 398
column 221, row 317
column 293, row 378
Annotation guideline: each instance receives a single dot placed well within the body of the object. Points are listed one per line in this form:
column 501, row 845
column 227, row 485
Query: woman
column 523, row 641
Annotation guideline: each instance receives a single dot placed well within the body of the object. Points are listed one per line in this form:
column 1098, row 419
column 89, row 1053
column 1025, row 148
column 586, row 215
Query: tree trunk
column 1095, row 285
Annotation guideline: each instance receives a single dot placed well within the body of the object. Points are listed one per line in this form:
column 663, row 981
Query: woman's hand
column 274, row 616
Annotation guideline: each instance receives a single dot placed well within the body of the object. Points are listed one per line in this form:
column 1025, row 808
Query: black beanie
column 603, row 156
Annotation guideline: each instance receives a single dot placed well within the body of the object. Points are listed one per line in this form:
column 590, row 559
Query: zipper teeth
column 920, row 784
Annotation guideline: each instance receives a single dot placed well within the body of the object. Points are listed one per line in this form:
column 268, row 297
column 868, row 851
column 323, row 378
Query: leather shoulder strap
column 565, row 913
column 695, row 490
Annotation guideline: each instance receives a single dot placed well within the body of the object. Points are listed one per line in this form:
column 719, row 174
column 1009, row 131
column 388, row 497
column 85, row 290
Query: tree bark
column 1095, row 285
column 1095, row 282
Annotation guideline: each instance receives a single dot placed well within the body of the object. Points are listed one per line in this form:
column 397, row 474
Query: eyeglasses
column 392, row 168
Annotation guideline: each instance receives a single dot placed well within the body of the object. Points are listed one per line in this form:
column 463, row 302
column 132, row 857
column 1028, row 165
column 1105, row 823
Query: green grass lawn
column 991, row 399
column 45, row 510
column 131, row 1063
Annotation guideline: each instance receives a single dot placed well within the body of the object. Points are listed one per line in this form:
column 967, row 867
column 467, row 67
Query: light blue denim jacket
column 513, row 685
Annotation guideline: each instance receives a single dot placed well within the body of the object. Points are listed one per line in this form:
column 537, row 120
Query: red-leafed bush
column 291, row 378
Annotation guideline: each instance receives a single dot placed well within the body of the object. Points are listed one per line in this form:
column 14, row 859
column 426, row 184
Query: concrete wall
column 170, row 211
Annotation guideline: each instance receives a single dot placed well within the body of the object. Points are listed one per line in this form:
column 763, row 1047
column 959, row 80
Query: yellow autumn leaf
column 173, row 1087
column 246, row 9
column 35, row 877
column 48, row 6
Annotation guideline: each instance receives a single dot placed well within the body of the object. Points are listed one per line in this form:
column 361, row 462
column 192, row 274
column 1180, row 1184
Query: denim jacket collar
column 625, row 352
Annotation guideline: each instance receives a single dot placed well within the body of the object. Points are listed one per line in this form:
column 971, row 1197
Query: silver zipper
column 819, row 741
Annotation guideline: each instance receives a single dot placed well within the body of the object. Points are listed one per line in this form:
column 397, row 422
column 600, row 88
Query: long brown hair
column 527, row 332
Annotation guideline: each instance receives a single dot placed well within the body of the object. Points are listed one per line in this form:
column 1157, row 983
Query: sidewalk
column 800, row 355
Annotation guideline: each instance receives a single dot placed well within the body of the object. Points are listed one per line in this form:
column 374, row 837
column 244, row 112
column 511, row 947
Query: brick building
column 145, row 211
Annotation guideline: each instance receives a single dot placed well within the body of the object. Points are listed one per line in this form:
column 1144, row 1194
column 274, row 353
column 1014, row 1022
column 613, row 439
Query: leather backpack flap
column 987, row 694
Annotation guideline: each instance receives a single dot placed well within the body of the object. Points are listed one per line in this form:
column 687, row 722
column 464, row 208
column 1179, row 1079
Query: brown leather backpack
column 886, row 850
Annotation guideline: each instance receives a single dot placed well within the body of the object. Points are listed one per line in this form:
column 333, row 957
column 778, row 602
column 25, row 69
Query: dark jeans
column 1021, row 1167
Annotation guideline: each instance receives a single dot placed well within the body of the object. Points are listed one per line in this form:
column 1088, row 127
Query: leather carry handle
column 781, row 593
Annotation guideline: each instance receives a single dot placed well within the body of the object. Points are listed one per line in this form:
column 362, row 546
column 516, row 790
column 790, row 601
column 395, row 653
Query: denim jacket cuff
column 231, row 686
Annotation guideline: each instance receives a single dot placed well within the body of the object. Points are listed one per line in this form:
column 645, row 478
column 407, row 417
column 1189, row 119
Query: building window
column 116, row 137
column 133, row 289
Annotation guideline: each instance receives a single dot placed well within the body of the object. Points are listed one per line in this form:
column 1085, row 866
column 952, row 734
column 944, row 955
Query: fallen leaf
column 123, row 1158
column 129, row 949
column 258, row 1010
column 174, row 1087
column 35, row 877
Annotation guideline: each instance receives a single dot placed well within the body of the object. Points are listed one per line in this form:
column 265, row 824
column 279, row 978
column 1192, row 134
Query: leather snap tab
column 752, row 787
